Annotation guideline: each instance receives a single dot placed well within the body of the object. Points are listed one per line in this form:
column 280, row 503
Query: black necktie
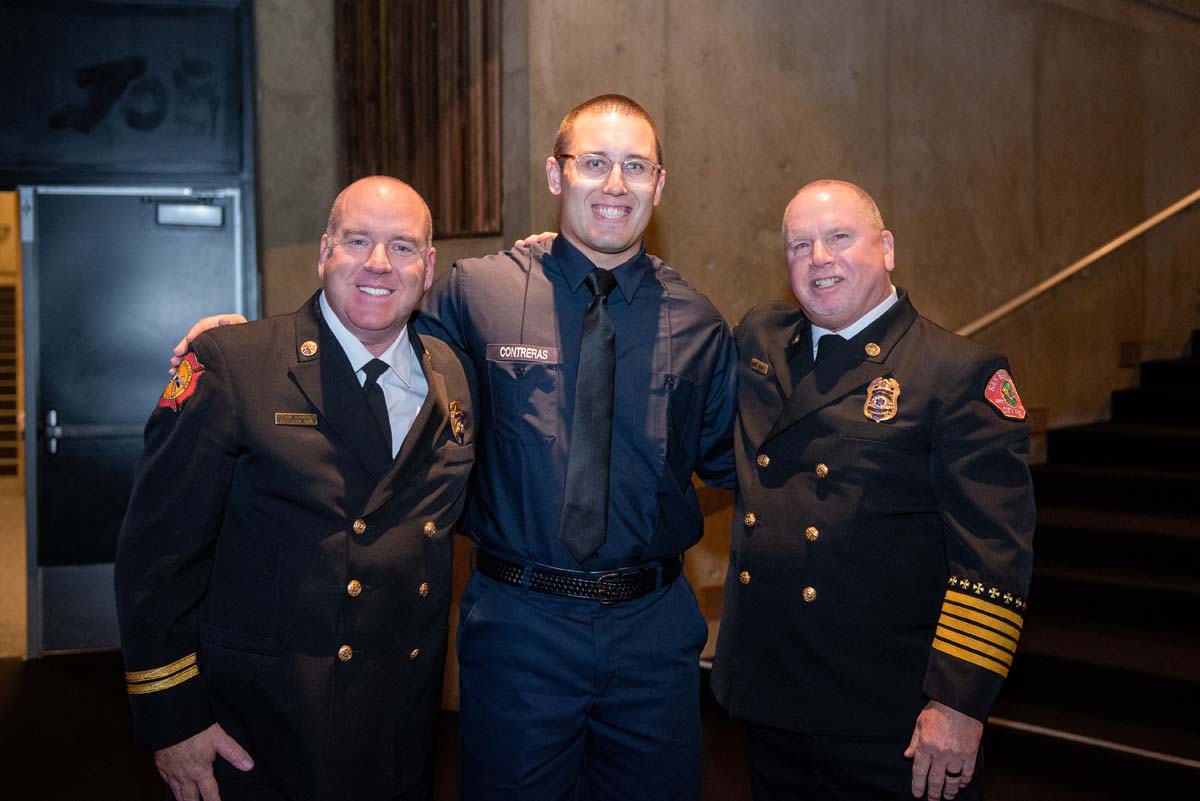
column 375, row 399
column 827, row 344
column 585, row 497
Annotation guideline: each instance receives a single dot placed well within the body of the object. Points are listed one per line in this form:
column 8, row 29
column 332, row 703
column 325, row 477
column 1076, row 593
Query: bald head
column 378, row 188
column 866, row 203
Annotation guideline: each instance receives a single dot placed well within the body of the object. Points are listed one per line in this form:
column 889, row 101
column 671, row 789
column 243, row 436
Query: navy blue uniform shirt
column 518, row 315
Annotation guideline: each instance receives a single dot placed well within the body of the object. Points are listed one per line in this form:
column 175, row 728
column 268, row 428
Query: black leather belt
column 605, row 586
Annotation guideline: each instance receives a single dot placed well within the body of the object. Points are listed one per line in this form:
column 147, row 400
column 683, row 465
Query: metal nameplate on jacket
column 457, row 427
column 538, row 354
column 882, row 399
column 759, row 366
column 295, row 419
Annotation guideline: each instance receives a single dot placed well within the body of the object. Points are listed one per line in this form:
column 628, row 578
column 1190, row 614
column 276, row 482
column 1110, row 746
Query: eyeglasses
column 597, row 167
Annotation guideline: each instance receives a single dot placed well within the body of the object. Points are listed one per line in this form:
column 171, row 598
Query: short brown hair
column 605, row 104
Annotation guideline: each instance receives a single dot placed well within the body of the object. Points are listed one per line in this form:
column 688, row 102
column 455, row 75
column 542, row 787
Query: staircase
column 1106, row 684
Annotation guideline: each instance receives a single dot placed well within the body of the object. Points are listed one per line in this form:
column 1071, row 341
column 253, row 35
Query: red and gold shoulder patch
column 183, row 385
column 1001, row 392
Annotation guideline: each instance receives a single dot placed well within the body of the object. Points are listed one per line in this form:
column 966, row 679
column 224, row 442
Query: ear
column 889, row 250
column 658, row 188
column 322, row 256
column 430, row 260
column 553, row 176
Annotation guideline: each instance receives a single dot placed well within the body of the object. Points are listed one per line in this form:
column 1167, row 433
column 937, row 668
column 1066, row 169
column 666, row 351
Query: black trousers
column 786, row 766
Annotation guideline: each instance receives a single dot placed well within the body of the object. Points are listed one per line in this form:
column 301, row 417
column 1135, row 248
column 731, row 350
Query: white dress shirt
column 862, row 322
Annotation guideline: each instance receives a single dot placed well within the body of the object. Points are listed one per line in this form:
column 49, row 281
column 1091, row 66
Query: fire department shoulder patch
column 1001, row 392
column 183, row 385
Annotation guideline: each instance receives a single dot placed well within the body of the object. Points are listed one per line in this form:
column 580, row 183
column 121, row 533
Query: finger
column 920, row 771
column 950, row 789
column 208, row 788
column 911, row 751
column 181, row 348
column 231, row 752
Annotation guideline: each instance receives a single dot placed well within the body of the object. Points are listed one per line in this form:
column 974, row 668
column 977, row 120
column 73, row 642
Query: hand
column 534, row 239
column 186, row 767
column 199, row 328
column 944, row 742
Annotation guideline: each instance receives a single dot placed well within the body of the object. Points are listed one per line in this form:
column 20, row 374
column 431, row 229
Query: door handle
column 52, row 431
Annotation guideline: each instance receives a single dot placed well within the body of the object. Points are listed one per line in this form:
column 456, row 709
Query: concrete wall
column 1004, row 139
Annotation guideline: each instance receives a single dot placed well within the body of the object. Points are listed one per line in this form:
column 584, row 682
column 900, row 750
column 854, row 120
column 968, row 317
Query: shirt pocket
column 524, row 400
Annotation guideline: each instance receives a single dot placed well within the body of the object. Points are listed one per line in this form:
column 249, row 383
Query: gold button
column 763, row 460
column 822, row 470
column 430, row 529
column 354, row 588
column 872, row 349
column 309, row 348
column 811, row 533
column 345, row 652
column 750, row 519
column 423, row 590
column 360, row 526
column 744, row 577
column 413, row 654
column 809, row 594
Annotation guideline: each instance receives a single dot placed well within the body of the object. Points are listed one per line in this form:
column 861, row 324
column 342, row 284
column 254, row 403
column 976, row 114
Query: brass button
column 360, row 526
column 354, row 588
column 809, row 594
column 423, row 590
column 345, row 652
column 309, row 348
column 811, row 533
column 413, row 654
column 430, row 529
column 750, row 519
column 744, row 577
column 872, row 349
column 822, row 470
column 763, row 460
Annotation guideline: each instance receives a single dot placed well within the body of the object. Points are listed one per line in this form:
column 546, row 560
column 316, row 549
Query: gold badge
column 872, row 349
column 295, row 419
column 759, row 366
column 309, row 348
column 882, row 397
column 457, row 427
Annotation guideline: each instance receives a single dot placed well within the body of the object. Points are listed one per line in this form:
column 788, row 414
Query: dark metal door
column 113, row 277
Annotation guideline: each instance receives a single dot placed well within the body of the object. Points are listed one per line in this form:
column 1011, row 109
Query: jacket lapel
column 327, row 379
column 419, row 443
column 847, row 368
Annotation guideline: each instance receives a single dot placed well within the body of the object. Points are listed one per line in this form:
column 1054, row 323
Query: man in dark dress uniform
column 283, row 572
column 882, row 538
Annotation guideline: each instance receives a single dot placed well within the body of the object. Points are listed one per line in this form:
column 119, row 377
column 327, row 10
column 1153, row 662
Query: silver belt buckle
column 602, row 592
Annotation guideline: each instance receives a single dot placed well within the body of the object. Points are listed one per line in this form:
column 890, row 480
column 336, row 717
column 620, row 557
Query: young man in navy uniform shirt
column 882, row 539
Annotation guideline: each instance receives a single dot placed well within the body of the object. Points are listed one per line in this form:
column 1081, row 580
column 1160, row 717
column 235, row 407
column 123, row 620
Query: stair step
column 1128, row 488
column 1171, row 374
column 1151, row 656
column 1160, row 447
column 1178, row 407
column 1143, row 541
column 1154, row 601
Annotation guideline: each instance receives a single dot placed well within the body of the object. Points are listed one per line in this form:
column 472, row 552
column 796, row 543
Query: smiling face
column 606, row 218
column 377, row 261
column 838, row 254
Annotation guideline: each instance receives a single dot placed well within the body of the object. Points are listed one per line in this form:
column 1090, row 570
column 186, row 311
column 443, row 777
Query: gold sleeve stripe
column 165, row 670
column 978, row 617
column 979, row 632
column 971, row 657
column 998, row 654
column 164, row 684
column 990, row 608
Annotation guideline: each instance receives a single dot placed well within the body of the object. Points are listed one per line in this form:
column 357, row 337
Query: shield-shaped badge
column 882, row 397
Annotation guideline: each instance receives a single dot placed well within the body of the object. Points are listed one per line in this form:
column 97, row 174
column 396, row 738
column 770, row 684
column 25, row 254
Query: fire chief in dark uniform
column 283, row 572
column 882, row 538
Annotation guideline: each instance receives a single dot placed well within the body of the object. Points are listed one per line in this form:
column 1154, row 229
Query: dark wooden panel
column 419, row 88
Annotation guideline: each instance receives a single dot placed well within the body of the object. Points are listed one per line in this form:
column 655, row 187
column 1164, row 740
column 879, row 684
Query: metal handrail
column 1064, row 274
